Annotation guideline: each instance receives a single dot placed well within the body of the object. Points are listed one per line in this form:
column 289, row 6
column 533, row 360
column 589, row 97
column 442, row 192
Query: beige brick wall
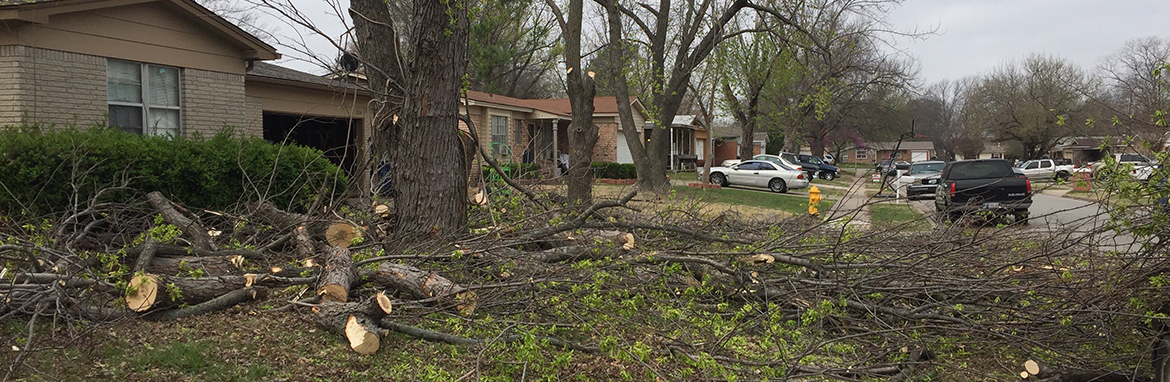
column 606, row 148
column 51, row 87
column 212, row 100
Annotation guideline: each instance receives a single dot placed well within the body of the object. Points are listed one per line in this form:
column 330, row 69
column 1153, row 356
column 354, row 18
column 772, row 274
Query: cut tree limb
column 149, row 247
column 337, row 276
column 158, row 291
column 356, row 321
column 420, row 284
column 191, row 229
column 227, row 300
column 192, row 265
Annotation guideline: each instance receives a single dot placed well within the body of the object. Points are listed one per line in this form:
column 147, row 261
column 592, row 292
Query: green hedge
column 614, row 170
column 515, row 171
column 39, row 169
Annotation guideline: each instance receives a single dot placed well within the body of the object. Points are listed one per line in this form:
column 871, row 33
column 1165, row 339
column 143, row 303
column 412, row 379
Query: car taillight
column 798, row 168
column 1029, row 183
column 952, row 188
column 800, row 176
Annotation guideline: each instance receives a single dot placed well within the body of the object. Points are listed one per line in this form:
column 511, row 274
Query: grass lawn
column 742, row 197
column 887, row 215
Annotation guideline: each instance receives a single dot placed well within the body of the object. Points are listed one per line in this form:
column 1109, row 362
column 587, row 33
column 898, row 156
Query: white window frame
column 144, row 91
column 861, row 154
column 499, row 134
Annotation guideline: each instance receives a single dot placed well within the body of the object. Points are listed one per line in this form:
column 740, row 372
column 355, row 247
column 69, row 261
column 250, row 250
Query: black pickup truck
column 983, row 185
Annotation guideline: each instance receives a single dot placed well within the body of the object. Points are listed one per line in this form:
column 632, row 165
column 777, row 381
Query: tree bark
column 159, row 291
column 191, row 229
column 581, row 91
column 429, row 180
column 190, row 266
column 337, row 276
column 420, row 284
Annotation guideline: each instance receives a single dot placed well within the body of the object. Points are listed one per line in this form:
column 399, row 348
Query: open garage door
column 333, row 136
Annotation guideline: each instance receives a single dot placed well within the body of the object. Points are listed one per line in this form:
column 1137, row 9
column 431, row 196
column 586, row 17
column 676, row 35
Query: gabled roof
column 685, row 120
column 557, row 106
column 38, row 11
column 267, row 72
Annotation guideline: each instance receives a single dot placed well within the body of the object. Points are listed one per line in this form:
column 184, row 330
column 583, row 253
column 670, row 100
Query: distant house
column 536, row 130
column 1083, row 150
column 683, row 141
column 991, row 150
column 910, row 151
column 163, row 67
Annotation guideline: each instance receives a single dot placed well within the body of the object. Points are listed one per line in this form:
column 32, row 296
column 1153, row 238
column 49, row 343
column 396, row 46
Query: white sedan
column 759, row 174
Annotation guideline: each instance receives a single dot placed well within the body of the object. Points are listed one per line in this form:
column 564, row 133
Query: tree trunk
column 429, row 179
column 582, row 131
column 191, row 229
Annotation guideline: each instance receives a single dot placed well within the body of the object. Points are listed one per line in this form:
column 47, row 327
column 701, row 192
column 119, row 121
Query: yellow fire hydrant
column 814, row 196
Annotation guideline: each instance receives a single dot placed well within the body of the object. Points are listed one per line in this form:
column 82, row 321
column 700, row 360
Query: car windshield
column 926, row 168
column 815, row 160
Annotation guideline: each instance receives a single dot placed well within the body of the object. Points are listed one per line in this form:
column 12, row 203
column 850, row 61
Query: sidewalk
column 852, row 206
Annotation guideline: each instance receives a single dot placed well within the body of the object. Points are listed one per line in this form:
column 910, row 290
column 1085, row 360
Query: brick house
column 910, row 151
column 535, row 130
column 163, row 67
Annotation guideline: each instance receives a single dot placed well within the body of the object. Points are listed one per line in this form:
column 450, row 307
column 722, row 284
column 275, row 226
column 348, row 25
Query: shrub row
column 614, row 170
column 40, row 169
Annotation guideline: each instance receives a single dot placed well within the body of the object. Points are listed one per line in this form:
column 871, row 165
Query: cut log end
column 360, row 339
column 1024, row 375
column 340, row 235
column 1031, row 367
column 465, row 303
column 333, row 292
column 145, row 288
column 384, row 302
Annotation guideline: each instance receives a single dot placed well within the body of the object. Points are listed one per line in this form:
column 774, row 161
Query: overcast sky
column 975, row 36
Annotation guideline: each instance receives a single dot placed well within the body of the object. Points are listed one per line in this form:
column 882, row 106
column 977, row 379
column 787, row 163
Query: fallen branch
column 197, row 233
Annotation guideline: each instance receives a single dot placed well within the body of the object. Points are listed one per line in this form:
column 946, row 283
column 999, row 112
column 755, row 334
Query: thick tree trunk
column 430, row 183
column 429, row 180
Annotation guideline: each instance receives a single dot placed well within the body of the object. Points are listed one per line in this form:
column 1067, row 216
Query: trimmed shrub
column 515, row 170
column 614, row 170
column 42, row 171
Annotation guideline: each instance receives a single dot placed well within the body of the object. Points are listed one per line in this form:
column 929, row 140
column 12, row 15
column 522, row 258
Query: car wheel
column 1102, row 176
column 828, row 175
column 778, row 185
column 1063, row 176
column 718, row 178
column 1021, row 218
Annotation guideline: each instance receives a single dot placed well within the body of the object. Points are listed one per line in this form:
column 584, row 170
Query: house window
column 143, row 98
column 996, row 155
column 861, row 154
column 499, row 134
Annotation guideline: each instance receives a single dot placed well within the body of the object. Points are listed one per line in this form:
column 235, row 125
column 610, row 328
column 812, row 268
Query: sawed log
column 337, row 275
column 420, row 284
column 191, row 266
column 151, row 291
column 356, row 321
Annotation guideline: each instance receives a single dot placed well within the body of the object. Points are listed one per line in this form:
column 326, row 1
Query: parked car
column 983, row 185
column 759, row 174
column 911, row 183
column 809, row 168
column 779, row 160
column 886, row 166
column 826, row 172
column 1136, row 165
column 828, row 158
column 1044, row 169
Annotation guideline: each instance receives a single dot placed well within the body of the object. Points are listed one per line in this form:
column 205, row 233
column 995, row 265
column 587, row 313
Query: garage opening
column 333, row 136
